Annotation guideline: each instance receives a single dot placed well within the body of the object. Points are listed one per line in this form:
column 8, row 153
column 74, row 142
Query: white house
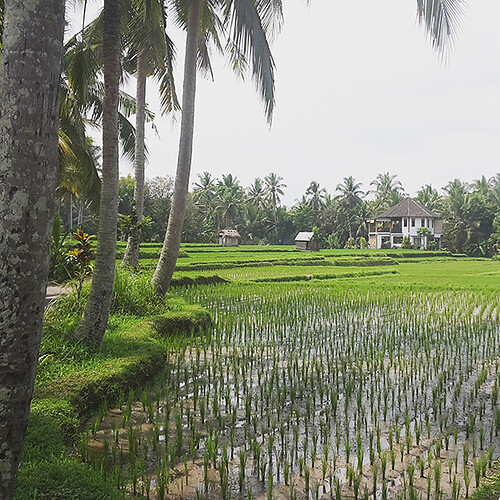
column 405, row 219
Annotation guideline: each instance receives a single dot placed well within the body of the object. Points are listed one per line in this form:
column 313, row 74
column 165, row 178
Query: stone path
column 55, row 291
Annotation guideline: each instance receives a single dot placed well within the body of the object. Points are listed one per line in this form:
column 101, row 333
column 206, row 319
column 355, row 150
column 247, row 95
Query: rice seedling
column 313, row 382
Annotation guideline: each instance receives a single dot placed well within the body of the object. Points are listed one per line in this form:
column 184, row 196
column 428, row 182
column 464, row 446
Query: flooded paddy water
column 315, row 393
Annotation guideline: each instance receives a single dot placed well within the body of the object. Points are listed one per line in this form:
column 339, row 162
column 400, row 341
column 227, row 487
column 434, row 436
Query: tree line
column 470, row 211
column 48, row 99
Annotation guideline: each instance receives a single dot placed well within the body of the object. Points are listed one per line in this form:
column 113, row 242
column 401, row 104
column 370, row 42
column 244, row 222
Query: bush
column 406, row 243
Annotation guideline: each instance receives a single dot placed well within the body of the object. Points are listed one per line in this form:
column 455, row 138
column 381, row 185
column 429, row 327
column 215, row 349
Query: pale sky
column 359, row 91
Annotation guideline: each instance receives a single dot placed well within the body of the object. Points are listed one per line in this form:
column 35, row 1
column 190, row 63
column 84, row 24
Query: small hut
column 305, row 241
column 229, row 238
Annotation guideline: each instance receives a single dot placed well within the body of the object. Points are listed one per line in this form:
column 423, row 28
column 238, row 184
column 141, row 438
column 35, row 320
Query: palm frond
column 249, row 36
column 442, row 20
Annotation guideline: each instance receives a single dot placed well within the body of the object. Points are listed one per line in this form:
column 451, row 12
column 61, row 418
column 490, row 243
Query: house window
column 422, row 222
column 397, row 240
column 431, row 223
column 405, row 222
column 413, row 223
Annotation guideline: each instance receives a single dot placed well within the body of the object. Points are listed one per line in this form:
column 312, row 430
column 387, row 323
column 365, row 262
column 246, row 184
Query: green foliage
column 406, row 243
column 60, row 266
column 81, row 256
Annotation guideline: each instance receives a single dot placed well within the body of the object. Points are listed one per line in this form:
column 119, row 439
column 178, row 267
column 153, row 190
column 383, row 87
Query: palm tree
column 274, row 188
column 154, row 55
column 429, row 197
column 31, row 64
column 350, row 197
column 316, row 195
column 385, row 184
column 350, row 192
column 204, row 194
column 256, row 194
column 248, row 22
column 93, row 323
column 229, row 203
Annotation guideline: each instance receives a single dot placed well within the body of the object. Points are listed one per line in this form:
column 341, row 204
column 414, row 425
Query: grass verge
column 73, row 383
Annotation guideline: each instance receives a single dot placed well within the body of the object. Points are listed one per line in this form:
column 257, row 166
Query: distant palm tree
column 204, row 194
column 256, row 194
column 350, row 197
column 429, row 197
column 350, row 192
column 385, row 184
column 316, row 195
column 274, row 188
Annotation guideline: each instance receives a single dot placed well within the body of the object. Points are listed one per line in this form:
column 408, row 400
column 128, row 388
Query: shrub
column 406, row 243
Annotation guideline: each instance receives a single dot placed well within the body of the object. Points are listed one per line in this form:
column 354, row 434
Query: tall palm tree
column 385, row 184
column 274, row 188
column 230, row 196
column 154, row 55
column 93, row 323
column 350, row 192
column 316, row 195
column 429, row 197
column 256, row 194
column 204, row 194
column 31, row 63
column 248, row 22
column 350, row 197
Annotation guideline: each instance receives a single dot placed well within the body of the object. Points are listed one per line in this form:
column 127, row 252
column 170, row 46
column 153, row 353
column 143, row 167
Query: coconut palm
column 429, row 197
column 248, row 23
column 204, row 193
column 31, row 64
column 350, row 197
column 316, row 195
column 229, row 202
column 154, row 55
column 93, row 323
column 256, row 194
column 350, row 192
column 274, row 188
column 386, row 184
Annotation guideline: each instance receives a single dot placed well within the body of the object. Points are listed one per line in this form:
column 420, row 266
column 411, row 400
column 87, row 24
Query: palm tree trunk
column 168, row 258
column 131, row 257
column 95, row 317
column 29, row 119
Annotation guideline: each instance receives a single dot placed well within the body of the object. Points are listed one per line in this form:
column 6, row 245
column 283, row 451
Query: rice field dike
column 269, row 373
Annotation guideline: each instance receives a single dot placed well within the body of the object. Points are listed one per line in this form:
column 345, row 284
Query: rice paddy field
column 339, row 374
